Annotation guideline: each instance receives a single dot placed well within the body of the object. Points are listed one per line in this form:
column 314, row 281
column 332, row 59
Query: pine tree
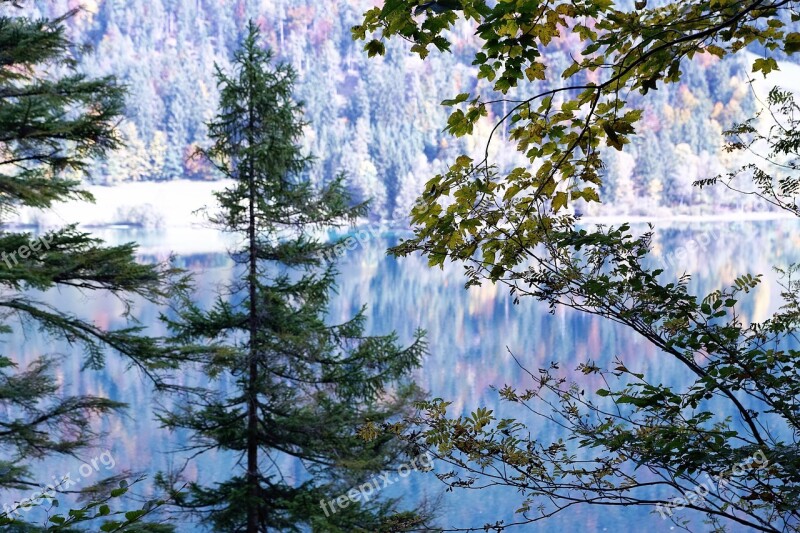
column 303, row 386
column 52, row 127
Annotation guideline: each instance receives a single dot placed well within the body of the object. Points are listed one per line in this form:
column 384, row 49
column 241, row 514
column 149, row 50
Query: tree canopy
column 302, row 386
column 732, row 417
column 563, row 129
column 55, row 122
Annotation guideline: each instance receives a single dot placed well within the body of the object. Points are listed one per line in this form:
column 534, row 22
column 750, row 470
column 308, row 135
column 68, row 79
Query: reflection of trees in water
column 468, row 330
column 712, row 249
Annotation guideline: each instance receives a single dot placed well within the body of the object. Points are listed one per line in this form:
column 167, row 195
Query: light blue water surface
column 470, row 333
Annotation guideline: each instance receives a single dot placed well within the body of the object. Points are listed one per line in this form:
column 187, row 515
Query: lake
column 470, row 333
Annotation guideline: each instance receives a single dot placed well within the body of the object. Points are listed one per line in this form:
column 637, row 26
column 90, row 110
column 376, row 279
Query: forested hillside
column 233, row 339
column 376, row 120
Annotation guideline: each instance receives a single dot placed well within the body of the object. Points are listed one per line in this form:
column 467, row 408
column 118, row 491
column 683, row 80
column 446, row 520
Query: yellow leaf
column 535, row 72
column 559, row 201
column 590, row 194
column 463, row 161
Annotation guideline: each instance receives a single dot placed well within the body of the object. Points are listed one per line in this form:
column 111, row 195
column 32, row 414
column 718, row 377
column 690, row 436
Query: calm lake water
column 470, row 335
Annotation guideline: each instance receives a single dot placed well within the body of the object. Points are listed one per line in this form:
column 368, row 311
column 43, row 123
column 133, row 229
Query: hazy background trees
column 379, row 119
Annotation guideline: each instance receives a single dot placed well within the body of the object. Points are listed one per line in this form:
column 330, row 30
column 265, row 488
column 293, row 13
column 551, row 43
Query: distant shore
column 755, row 216
column 174, row 206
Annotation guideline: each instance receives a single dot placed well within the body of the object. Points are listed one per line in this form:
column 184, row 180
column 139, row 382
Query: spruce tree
column 303, row 386
column 53, row 123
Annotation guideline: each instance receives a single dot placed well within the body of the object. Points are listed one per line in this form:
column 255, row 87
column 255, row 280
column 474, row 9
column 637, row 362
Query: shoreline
column 170, row 210
column 755, row 216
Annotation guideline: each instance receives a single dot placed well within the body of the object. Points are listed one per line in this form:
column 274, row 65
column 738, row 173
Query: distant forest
column 373, row 119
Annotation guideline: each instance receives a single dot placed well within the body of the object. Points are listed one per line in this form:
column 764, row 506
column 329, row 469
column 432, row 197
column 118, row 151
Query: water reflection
column 470, row 334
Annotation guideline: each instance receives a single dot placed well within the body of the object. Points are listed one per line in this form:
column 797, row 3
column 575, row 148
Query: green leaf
column 765, row 65
column 132, row 516
column 463, row 97
column 791, row 43
column 612, row 139
column 375, row 48
column 559, row 201
column 502, row 85
column 571, row 70
column 420, row 49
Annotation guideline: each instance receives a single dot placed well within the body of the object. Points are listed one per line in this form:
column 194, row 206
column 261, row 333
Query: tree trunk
column 252, row 403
